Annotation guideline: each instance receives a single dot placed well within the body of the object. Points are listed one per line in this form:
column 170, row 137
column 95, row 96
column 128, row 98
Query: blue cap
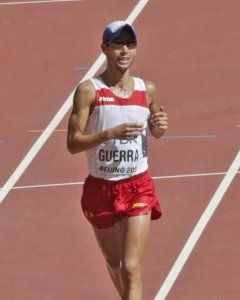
column 112, row 31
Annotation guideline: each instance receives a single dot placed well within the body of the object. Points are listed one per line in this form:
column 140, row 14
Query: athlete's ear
column 104, row 48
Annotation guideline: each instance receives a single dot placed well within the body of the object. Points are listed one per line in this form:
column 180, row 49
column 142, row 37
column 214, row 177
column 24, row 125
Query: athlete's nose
column 124, row 48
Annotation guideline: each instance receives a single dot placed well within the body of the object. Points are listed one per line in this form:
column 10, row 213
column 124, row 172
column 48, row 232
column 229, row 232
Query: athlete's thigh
column 109, row 241
column 135, row 235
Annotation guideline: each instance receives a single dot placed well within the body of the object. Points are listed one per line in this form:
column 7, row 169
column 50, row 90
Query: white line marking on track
column 198, row 230
column 49, row 185
column 38, row 1
column 59, row 116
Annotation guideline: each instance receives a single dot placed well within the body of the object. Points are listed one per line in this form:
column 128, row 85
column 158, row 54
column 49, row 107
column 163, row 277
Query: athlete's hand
column 126, row 131
column 159, row 119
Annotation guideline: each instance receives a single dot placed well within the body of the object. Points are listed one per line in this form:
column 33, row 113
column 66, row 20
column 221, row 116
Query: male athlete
column 111, row 116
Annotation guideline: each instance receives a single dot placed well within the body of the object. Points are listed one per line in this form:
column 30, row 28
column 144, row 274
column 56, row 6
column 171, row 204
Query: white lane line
column 198, row 230
column 59, row 116
column 49, row 185
column 37, row 2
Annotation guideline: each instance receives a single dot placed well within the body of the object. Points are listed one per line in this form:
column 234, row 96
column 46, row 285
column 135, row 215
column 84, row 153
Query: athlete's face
column 122, row 51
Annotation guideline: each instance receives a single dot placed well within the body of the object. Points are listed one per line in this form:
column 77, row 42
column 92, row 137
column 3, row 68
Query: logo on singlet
column 106, row 99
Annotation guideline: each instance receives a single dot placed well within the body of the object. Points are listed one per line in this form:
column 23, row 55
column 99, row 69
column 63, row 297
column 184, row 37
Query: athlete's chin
column 123, row 67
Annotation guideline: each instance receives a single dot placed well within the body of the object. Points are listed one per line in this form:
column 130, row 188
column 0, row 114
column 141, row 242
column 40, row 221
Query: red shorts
column 104, row 202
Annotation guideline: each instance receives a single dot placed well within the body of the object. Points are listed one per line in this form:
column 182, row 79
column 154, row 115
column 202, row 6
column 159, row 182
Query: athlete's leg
column 123, row 246
column 135, row 233
column 110, row 244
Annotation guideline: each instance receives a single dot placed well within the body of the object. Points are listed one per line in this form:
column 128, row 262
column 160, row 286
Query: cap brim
column 114, row 29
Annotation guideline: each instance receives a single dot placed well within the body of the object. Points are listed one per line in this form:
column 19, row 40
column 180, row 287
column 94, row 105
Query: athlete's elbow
column 73, row 148
column 70, row 148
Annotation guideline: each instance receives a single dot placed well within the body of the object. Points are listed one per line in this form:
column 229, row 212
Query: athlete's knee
column 131, row 271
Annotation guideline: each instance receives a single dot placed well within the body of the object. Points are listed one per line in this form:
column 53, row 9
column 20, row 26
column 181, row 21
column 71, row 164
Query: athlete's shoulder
column 151, row 91
column 85, row 86
column 150, row 87
column 84, row 93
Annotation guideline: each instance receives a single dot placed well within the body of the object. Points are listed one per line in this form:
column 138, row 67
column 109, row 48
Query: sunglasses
column 131, row 44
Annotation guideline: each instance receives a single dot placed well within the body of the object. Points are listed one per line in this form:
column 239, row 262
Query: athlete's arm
column 82, row 102
column 77, row 140
column 158, row 121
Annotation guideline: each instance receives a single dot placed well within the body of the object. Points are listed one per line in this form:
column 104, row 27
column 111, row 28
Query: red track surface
column 190, row 49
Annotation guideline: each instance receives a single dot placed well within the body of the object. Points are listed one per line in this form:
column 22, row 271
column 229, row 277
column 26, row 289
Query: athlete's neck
column 120, row 80
column 121, row 86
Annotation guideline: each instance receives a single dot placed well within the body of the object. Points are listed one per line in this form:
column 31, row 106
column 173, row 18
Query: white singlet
column 118, row 159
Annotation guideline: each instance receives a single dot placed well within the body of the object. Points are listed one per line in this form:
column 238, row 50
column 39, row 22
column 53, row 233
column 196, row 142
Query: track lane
column 180, row 92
